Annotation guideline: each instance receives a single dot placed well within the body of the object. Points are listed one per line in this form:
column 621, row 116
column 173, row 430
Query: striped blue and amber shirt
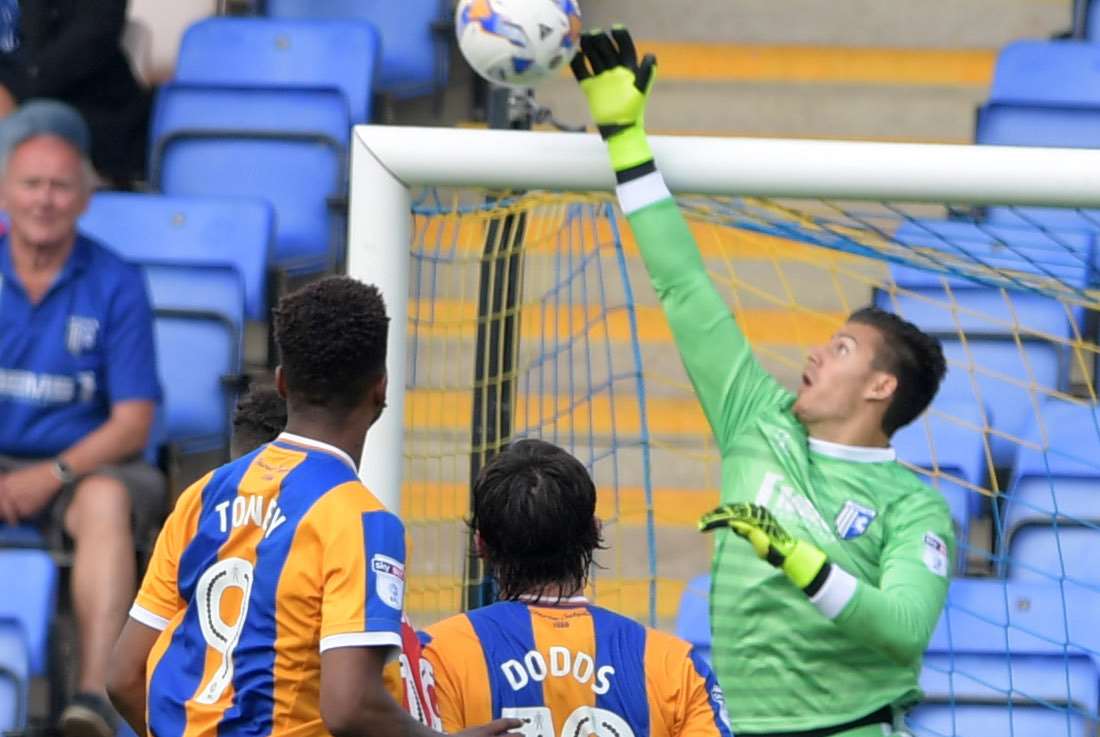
column 265, row 563
column 571, row 669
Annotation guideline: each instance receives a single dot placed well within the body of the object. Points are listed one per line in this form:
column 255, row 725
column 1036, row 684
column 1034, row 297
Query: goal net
column 521, row 309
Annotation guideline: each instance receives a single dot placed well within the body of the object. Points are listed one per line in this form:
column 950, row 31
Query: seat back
column 1007, row 658
column 1052, row 511
column 257, row 52
column 693, row 616
column 287, row 146
column 414, row 53
column 29, row 597
column 160, row 229
column 14, row 675
column 198, row 315
column 1052, row 72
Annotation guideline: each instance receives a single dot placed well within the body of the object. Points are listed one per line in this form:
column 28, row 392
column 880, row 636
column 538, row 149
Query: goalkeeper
column 821, row 612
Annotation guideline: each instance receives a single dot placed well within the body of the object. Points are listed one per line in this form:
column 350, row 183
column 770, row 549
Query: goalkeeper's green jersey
column 788, row 662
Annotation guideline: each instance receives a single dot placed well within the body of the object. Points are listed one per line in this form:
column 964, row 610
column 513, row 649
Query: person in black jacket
column 71, row 50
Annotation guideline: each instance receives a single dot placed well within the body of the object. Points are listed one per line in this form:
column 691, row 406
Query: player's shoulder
column 667, row 644
column 912, row 501
column 452, row 635
column 910, row 489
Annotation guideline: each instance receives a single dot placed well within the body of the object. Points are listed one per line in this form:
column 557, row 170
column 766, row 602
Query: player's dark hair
column 259, row 418
column 911, row 355
column 331, row 336
column 534, row 506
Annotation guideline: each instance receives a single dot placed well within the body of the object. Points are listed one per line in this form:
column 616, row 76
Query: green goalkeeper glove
column 803, row 562
column 617, row 88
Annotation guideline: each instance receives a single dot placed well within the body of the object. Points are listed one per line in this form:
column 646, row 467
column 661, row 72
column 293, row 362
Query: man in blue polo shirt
column 78, row 387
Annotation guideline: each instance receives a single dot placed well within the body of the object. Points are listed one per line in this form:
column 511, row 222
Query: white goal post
column 387, row 160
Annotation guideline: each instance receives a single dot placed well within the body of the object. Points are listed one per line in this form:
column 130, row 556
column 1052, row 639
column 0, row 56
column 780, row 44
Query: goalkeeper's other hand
column 617, row 88
column 800, row 560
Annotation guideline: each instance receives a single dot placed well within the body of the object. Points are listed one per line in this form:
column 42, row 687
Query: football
column 517, row 43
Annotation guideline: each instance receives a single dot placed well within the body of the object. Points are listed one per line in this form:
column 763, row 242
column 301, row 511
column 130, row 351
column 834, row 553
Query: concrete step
column 930, row 23
column 797, row 110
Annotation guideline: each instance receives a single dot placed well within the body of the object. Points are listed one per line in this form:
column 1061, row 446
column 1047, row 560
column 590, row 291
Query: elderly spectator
column 71, row 50
column 78, row 388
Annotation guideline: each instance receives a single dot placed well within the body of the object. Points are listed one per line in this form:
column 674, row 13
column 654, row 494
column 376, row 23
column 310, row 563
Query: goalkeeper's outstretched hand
column 617, row 88
column 800, row 560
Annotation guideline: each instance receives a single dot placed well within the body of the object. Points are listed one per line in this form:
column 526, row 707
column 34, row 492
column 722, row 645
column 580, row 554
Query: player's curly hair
column 259, row 418
column 910, row 354
column 534, row 506
column 331, row 337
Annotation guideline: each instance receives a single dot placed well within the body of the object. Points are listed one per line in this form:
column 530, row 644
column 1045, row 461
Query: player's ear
column 378, row 394
column 280, row 382
column 479, row 546
column 881, row 386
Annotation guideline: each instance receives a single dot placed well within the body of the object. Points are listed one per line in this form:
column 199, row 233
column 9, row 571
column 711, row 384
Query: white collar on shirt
column 312, row 444
column 855, row 453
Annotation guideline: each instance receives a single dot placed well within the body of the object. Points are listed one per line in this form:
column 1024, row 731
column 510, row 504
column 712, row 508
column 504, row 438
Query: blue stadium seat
column 1024, row 257
column 289, row 146
column 199, row 313
column 1044, row 93
column 14, row 674
column 1052, row 72
column 1052, row 518
column 693, row 618
column 949, row 441
column 30, row 598
column 415, row 48
column 1010, row 659
column 258, row 52
column 149, row 228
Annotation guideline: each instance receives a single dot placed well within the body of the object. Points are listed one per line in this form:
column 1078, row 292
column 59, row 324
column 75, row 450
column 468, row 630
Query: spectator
column 71, row 50
column 542, row 653
column 78, row 387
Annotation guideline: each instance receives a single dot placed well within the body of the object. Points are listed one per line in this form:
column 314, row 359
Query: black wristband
column 814, row 586
column 635, row 172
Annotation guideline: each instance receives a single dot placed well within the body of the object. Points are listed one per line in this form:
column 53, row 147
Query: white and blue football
column 518, row 43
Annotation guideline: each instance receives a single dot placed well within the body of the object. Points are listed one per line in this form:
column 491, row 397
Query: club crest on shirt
column 853, row 520
column 81, row 334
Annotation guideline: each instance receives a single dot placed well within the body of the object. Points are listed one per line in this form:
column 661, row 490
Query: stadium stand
column 947, row 443
column 289, row 146
column 1051, row 524
column 161, row 229
column 260, row 52
column 1003, row 655
column 415, row 38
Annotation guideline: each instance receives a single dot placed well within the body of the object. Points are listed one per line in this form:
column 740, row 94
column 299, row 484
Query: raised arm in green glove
column 617, row 88
column 805, row 565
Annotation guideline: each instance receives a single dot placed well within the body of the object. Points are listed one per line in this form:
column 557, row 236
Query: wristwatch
column 63, row 471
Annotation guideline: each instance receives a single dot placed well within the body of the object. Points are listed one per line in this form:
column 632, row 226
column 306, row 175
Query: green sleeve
column 730, row 384
column 899, row 615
